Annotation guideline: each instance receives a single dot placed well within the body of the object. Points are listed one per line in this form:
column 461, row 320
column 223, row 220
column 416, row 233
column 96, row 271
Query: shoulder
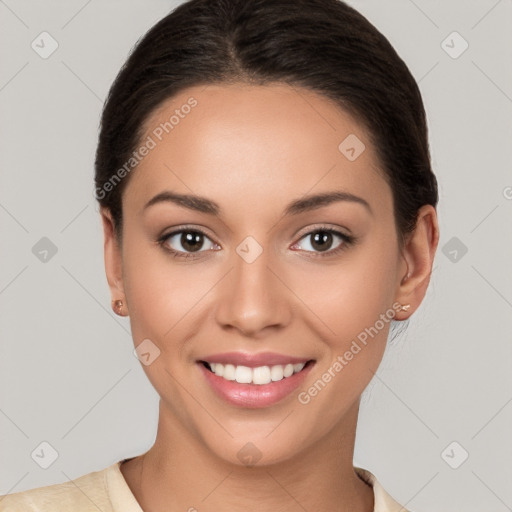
column 86, row 493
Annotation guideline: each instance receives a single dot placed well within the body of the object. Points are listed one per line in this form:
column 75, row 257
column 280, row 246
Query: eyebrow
column 301, row 205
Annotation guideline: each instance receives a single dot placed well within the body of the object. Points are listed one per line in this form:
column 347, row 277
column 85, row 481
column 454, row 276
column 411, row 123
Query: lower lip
column 254, row 395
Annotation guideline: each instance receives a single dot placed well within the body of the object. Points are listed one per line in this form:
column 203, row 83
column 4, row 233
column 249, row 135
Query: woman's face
column 266, row 278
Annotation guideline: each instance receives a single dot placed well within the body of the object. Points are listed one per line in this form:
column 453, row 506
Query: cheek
column 350, row 296
column 159, row 291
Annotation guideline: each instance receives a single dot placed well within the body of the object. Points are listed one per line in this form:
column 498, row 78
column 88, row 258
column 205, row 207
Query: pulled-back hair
column 321, row 45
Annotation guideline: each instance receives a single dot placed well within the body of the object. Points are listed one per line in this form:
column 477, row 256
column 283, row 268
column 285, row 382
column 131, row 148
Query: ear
column 113, row 258
column 418, row 257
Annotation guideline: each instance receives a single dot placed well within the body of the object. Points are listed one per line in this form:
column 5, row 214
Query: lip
column 253, row 360
column 255, row 395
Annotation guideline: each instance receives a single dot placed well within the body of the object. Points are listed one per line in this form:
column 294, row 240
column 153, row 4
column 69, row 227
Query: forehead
column 252, row 146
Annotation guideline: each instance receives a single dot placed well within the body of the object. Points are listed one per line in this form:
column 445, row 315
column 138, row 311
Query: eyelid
column 323, row 227
column 179, row 231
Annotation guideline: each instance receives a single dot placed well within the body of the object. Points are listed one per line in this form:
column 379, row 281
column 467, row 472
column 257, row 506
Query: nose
column 252, row 298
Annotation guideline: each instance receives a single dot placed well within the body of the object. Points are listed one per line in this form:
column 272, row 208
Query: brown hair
column 322, row 45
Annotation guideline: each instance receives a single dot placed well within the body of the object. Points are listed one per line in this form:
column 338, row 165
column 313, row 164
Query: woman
column 269, row 209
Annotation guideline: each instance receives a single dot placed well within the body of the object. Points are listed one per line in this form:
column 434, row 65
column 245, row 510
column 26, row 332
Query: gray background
column 67, row 372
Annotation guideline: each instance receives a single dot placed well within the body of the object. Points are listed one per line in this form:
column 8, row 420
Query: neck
column 179, row 473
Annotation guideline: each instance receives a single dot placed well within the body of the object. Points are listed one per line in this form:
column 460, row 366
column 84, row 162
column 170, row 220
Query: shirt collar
column 123, row 499
column 383, row 502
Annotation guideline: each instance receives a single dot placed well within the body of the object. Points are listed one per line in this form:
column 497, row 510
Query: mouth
column 259, row 375
column 254, row 384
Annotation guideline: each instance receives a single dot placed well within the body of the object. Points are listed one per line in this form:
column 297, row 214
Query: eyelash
column 348, row 240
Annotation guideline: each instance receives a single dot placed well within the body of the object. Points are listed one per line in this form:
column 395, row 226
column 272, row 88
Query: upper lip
column 253, row 360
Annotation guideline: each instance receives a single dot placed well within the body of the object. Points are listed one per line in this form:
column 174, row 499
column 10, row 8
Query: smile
column 254, row 381
column 259, row 375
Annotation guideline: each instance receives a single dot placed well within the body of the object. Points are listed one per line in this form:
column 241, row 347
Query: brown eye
column 187, row 241
column 321, row 240
column 191, row 241
column 327, row 241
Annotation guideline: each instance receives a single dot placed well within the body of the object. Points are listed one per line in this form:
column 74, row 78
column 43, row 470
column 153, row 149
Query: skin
column 253, row 150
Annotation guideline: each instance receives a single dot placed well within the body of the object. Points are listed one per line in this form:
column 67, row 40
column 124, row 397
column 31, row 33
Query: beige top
column 107, row 490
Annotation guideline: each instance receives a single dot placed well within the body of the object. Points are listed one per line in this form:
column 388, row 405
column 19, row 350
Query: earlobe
column 418, row 256
column 113, row 263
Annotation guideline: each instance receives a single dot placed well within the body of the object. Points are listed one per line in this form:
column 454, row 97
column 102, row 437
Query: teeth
column 259, row 375
column 288, row 370
column 243, row 375
column 228, row 372
column 276, row 373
